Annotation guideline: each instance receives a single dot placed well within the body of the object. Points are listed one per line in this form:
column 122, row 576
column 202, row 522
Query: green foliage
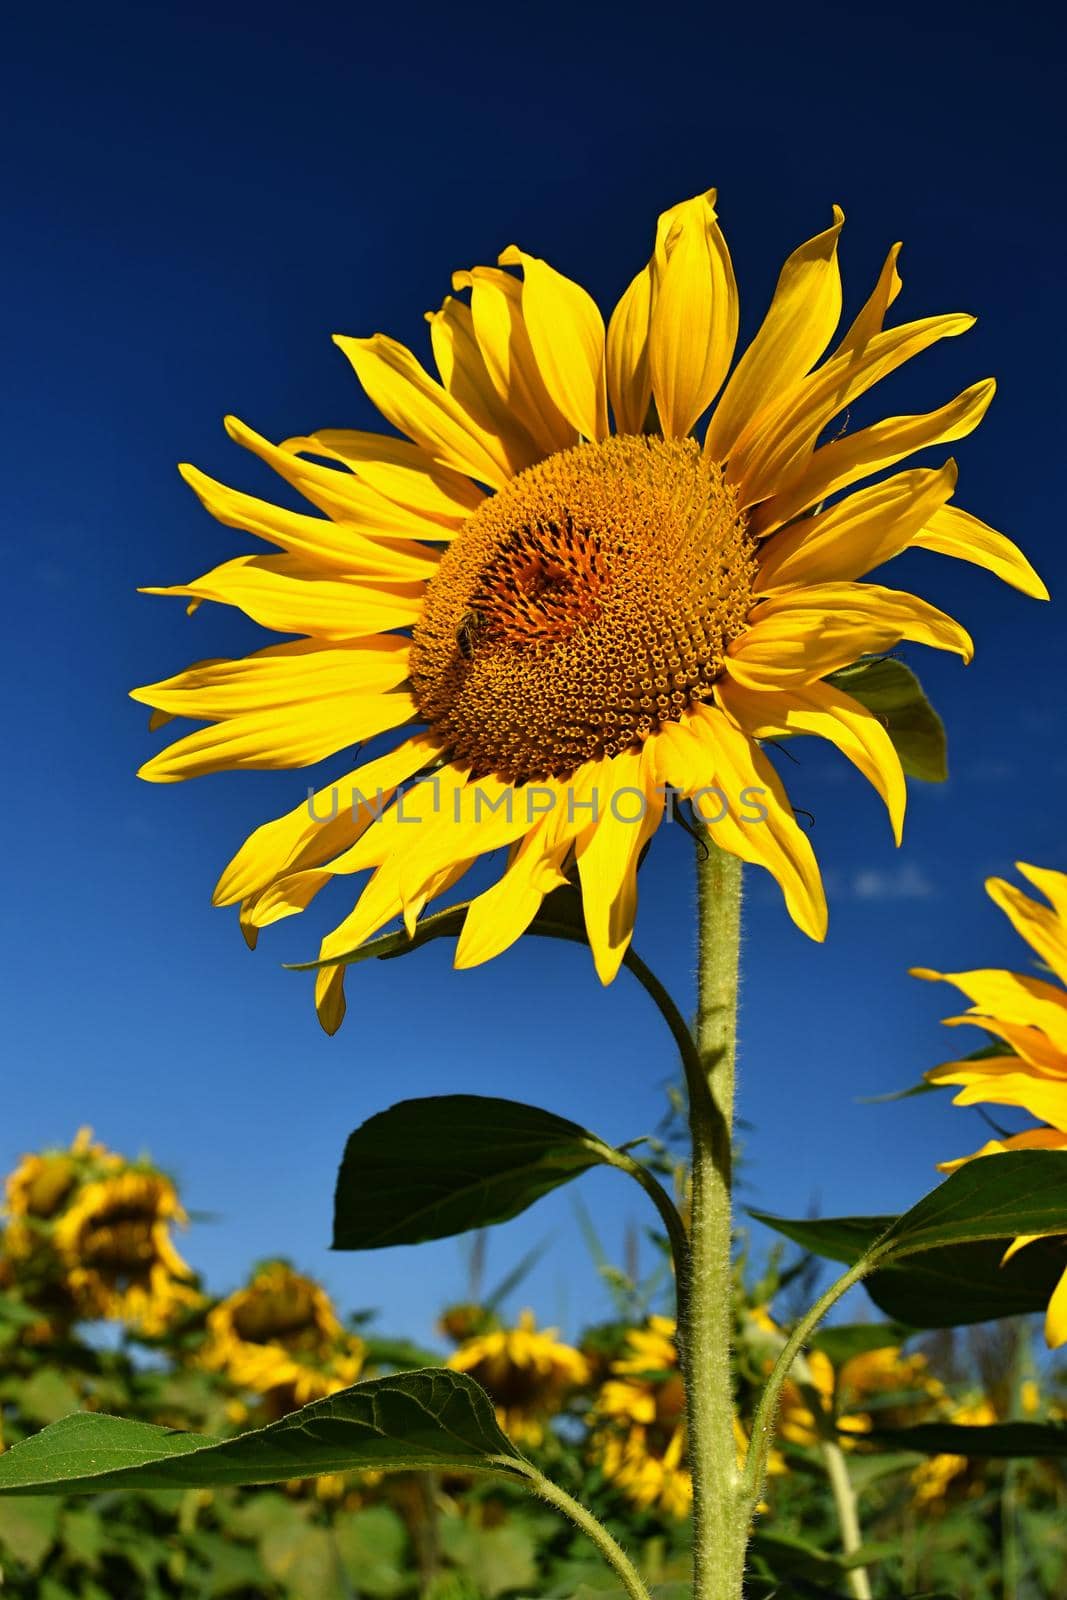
column 893, row 692
column 431, row 1418
column 446, row 1164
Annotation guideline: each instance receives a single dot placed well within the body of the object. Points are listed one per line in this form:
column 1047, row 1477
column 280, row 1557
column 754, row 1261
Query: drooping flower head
column 559, row 623
column 1029, row 1016
column 527, row 1372
column 280, row 1338
column 101, row 1227
column 638, row 1422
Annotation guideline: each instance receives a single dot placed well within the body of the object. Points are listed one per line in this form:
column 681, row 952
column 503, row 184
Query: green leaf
column 893, row 692
column 1002, row 1440
column 499, row 1560
column 373, row 1546
column 429, row 1168
column 1022, row 1191
column 835, row 1238
column 433, row 1418
column 842, row 1342
column 967, row 1283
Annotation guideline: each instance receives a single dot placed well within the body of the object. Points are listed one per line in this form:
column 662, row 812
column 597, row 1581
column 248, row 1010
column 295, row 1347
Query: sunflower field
column 100, row 1314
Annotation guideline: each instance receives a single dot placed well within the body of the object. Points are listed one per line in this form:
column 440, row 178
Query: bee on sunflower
column 561, row 623
column 1028, row 1016
column 281, row 1339
column 100, row 1228
column 527, row 1372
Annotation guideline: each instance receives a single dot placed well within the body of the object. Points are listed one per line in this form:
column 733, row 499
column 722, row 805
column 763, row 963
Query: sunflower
column 638, row 1423
column 280, row 1338
column 115, row 1242
column 526, row 1372
column 573, row 625
column 1029, row 1016
column 90, row 1234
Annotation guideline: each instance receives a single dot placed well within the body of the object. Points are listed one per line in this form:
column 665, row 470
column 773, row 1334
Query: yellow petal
column 330, row 997
column 1042, row 1097
column 408, row 397
column 1029, row 1042
column 400, row 471
column 288, row 595
column 1053, row 885
column 338, row 494
column 322, row 825
column 694, row 314
column 1042, row 929
column 779, row 442
column 1010, row 996
column 856, row 534
column 467, row 379
column 796, row 330
column 801, row 635
column 705, row 756
column 567, row 335
column 954, row 532
column 510, row 363
column 311, row 539
column 823, row 710
column 629, row 380
column 871, row 318
column 279, row 738
column 860, row 455
column 502, row 914
column 608, row 851
column 288, row 706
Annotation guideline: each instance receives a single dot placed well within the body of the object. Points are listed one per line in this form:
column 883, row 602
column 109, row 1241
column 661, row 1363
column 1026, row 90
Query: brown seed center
column 587, row 602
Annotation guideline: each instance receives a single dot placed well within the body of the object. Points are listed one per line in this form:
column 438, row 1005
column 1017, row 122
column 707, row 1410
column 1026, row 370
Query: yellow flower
column 91, row 1233
column 567, row 622
column 115, row 1242
column 932, row 1479
column 526, row 1372
column 638, row 1423
column 280, row 1337
column 1030, row 1016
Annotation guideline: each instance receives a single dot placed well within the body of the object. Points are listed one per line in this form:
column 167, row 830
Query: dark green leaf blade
column 999, row 1440
column 429, row 1168
column 893, row 692
column 966, row 1283
column 413, row 1420
column 843, row 1239
column 1019, row 1192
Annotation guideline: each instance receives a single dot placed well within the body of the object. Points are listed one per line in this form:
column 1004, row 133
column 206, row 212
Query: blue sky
column 200, row 197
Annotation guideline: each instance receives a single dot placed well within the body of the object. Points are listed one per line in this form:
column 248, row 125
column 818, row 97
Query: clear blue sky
column 198, row 197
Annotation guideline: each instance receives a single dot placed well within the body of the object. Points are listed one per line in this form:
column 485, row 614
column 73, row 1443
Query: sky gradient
column 201, row 197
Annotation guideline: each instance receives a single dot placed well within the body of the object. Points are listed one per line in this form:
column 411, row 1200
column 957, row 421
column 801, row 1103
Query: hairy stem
column 609, row 1548
column 833, row 1458
column 763, row 1422
column 719, row 1524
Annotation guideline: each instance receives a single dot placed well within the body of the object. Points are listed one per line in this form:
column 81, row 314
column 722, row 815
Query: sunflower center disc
column 580, row 607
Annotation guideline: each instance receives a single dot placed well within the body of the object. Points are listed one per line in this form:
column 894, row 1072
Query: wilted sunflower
column 96, row 1227
column 565, row 620
column 1030, row 1016
column 280, row 1337
column 115, row 1240
column 526, row 1372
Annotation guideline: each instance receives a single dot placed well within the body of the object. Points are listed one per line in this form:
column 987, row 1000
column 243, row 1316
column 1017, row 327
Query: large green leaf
column 998, row 1439
column 938, row 1265
column 964, row 1283
column 428, row 1168
column 893, row 692
column 433, row 1418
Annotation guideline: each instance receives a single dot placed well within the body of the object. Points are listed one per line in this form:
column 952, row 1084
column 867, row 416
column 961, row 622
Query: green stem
column 856, row 1579
column 669, row 1214
column 609, row 1548
column 720, row 1525
column 763, row 1422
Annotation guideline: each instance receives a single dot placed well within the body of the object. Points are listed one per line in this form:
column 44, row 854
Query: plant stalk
column 720, row 1519
column 609, row 1548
